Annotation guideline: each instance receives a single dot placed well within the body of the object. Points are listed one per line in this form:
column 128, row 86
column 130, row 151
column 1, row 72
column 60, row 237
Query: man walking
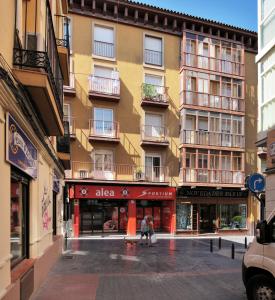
column 144, row 230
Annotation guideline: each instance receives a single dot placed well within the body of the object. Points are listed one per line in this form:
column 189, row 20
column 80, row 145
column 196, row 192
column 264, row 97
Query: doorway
column 207, row 218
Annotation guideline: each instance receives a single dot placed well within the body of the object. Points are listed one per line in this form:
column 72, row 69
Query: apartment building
column 162, row 114
column 266, row 96
column 34, row 141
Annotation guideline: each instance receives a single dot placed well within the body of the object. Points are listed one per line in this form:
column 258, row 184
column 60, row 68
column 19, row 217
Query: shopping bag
column 153, row 239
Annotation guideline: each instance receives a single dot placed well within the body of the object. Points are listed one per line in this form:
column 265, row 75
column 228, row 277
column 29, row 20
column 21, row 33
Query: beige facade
column 31, row 212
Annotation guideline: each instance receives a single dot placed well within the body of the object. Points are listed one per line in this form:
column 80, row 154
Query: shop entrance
column 103, row 216
column 207, row 218
column 149, row 208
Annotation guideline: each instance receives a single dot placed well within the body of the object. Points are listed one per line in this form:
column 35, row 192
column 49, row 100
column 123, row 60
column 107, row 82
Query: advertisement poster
column 20, row 151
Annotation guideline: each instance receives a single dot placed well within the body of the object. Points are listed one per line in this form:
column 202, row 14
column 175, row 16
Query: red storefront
column 107, row 208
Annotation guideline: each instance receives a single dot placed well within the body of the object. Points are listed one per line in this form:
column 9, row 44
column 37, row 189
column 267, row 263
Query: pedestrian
column 151, row 229
column 144, row 230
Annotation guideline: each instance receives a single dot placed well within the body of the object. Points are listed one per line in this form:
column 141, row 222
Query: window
column 153, row 50
column 153, row 126
column 267, row 6
column 103, row 122
column 153, row 169
column 103, row 164
column 232, row 216
column 184, row 216
column 18, row 218
column 67, row 30
column 105, row 80
column 67, row 115
column 104, row 41
column 153, row 87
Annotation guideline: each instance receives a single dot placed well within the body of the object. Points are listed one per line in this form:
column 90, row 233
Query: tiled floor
column 172, row 269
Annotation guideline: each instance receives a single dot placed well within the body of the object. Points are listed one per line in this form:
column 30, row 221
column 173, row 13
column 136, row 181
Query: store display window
column 233, row 216
column 184, row 216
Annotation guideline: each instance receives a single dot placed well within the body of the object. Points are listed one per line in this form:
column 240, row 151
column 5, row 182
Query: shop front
column 120, row 209
column 221, row 211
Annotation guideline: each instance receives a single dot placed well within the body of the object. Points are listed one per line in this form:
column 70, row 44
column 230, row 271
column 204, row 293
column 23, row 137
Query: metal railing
column 63, row 142
column 154, row 133
column 104, row 49
column 212, row 63
column 62, row 43
column 104, row 85
column 48, row 60
column 210, row 138
column 213, row 101
column 110, row 171
column 152, row 57
column 154, row 93
column 193, row 175
column 102, row 128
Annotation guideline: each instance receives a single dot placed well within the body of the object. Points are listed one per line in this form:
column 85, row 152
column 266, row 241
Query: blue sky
column 240, row 13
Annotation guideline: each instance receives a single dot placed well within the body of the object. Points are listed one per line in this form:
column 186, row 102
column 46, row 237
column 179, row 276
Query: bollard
column 220, row 242
column 245, row 243
column 211, row 245
column 233, row 251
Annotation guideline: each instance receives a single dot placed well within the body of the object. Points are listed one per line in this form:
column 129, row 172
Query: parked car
column 259, row 262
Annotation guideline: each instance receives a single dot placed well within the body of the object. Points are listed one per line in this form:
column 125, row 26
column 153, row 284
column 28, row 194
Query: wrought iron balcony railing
column 34, row 59
column 154, row 93
column 212, row 101
column 210, row 138
column 63, row 142
column 62, row 43
column 192, row 175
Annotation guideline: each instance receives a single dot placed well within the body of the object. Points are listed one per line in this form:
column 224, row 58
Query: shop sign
column 120, row 192
column 183, row 192
column 56, row 182
column 20, row 151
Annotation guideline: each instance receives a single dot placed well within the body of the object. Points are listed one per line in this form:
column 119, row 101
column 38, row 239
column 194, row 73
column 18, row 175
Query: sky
column 240, row 13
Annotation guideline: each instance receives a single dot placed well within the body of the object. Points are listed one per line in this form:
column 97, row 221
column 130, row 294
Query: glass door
column 97, row 219
column 153, row 126
column 207, row 217
column 103, row 122
column 152, row 168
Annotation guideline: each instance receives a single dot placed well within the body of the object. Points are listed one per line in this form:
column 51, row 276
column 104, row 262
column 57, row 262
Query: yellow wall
column 130, row 114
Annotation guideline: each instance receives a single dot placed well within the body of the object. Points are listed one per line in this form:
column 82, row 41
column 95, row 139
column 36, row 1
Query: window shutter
column 104, row 34
column 154, row 44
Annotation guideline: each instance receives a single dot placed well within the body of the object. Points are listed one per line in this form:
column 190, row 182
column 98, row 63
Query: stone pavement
column 173, row 269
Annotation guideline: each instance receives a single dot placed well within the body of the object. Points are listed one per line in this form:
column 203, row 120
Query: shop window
column 233, row 216
column 184, row 216
column 18, row 219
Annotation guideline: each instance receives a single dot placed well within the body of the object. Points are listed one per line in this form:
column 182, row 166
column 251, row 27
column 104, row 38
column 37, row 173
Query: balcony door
column 103, row 122
column 153, row 126
column 153, row 170
column 103, row 165
column 203, row 91
column 153, row 86
column 226, row 131
column 226, row 169
column 67, row 115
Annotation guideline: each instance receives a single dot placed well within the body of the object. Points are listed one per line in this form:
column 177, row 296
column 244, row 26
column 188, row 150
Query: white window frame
column 153, row 35
column 106, row 25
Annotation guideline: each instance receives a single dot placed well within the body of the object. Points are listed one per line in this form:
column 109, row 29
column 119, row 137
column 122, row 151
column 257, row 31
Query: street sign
column 256, row 183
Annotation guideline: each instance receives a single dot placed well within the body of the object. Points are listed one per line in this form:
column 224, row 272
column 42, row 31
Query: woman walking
column 151, row 229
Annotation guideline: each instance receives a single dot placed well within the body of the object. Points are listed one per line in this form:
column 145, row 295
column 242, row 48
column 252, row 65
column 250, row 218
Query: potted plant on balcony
column 149, row 92
column 139, row 175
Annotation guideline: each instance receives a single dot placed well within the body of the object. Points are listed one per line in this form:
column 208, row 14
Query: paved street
column 173, row 269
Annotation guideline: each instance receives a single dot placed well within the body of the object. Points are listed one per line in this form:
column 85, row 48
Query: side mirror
column 262, row 233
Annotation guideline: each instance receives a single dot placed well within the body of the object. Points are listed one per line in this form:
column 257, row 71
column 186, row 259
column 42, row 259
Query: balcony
column 191, row 98
column 154, row 95
column 202, row 177
column 63, row 147
column 63, row 48
column 104, row 49
column 206, row 138
column 71, row 122
column 212, row 64
column 35, row 72
column 69, row 90
column 154, row 136
column 101, row 88
column 103, row 131
column 122, row 172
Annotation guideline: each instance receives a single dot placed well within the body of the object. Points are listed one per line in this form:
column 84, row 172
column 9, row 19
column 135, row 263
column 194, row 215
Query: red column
column 76, row 218
column 131, row 226
column 173, row 217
